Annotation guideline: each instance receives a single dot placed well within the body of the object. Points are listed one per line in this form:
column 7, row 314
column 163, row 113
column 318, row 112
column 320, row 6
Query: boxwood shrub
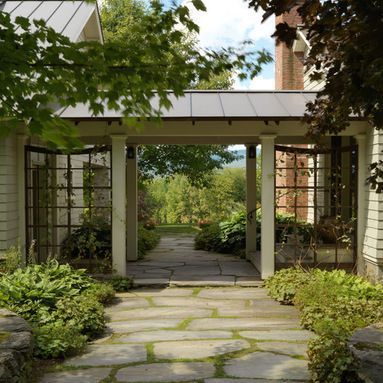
column 333, row 304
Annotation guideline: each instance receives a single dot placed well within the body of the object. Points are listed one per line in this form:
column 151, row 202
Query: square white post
column 267, row 206
column 251, row 203
column 131, row 203
column 21, row 141
column 361, row 193
column 119, row 204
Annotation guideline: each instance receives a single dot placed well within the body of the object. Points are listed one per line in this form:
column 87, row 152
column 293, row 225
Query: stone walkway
column 200, row 335
column 227, row 334
column 174, row 262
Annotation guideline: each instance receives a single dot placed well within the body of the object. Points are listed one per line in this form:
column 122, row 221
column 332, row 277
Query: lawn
column 176, row 229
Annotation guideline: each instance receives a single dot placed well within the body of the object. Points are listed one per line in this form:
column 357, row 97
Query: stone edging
column 16, row 348
column 366, row 346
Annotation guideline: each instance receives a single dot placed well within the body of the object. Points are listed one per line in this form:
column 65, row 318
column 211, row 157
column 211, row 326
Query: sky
column 227, row 23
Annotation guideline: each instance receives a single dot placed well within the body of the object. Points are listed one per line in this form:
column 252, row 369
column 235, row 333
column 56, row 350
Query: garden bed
column 333, row 305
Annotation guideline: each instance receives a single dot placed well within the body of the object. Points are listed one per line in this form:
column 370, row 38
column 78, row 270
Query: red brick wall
column 288, row 65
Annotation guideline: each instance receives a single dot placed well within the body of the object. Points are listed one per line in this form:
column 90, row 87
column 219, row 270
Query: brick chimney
column 288, row 64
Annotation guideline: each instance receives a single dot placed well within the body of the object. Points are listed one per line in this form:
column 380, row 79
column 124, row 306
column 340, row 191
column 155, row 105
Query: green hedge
column 333, row 305
column 226, row 237
column 147, row 240
column 63, row 305
column 230, row 236
column 95, row 242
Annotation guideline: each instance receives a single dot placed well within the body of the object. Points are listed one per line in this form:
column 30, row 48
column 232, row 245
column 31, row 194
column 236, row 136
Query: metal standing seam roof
column 65, row 17
column 218, row 104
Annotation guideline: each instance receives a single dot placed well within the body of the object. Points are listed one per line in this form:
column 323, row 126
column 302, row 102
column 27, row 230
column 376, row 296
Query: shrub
column 91, row 241
column 11, row 260
column 94, row 241
column 147, row 240
column 332, row 304
column 61, row 303
column 209, row 238
column 233, row 233
column 226, row 237
column 230, row 236
column 83, row 312
column 57, row 340
column 119, row 283
column 102, row 292
column 329, row 357
column 284, row 284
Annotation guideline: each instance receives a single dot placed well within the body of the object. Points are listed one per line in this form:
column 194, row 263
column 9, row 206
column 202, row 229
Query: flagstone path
column 174, row 262
column 204, row 334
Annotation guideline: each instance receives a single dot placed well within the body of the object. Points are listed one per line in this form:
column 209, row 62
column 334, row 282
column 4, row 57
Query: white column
column 267, row 206
column 251, row 203
column 118, row 204
column 361, row 192
column 21, row 141
column 131, row 203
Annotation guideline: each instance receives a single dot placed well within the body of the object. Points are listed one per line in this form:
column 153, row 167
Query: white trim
column 118, row 204
column 21, row 141
column 268, row 206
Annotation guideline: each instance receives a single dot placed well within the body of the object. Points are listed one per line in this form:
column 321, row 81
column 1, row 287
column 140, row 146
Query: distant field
column 176, row 229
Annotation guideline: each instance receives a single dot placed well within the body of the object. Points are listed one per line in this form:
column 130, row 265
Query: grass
column 176, row 229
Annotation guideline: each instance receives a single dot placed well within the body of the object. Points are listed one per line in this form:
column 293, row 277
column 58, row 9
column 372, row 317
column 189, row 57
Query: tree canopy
column 346, row 48
column 41, row 70
column 121, row 21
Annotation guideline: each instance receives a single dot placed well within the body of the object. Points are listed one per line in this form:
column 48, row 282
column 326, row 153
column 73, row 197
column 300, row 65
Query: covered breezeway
column 260, row 120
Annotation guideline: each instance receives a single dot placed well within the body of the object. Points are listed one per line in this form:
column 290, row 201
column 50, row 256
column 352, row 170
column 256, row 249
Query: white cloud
column 228, row 22
column 257, row 83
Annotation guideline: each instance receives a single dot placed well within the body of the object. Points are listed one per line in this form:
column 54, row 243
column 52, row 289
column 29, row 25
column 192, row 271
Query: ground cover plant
column 63, row 305
column 94, row 242
column 229, row 236
column 147, row 240
column 333, row 304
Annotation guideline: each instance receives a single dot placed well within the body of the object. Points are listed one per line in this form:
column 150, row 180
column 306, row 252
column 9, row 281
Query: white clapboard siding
column 8, row 193
column 373, row 238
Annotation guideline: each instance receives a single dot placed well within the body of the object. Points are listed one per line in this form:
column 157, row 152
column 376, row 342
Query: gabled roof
column 218, row 104
column 66, row 17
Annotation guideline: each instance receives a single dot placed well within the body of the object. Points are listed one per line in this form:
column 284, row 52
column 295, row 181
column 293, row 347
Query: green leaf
column 199, row 5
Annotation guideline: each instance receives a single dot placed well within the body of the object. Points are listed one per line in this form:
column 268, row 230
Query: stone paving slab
column 130, row 303
column 197, row 270
column 259, row 313
column 284, row 347
column 150, row 281
column 265, row 365
column 242, row 323
column 147, row 275
column 109, row 354
column 90, row 375
column 283, row 335
column 244, row 380
column 169, row 335
column 143, row 324
column 158, row 271
column 267, row 302
column 248, row 282
column 166, row 372
column 167, row 292
column 157, row 264
column 235, row 293
column 197, row 349
column 198, row 302
column 202, row 280
column 160, row 313
column 239, row 269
